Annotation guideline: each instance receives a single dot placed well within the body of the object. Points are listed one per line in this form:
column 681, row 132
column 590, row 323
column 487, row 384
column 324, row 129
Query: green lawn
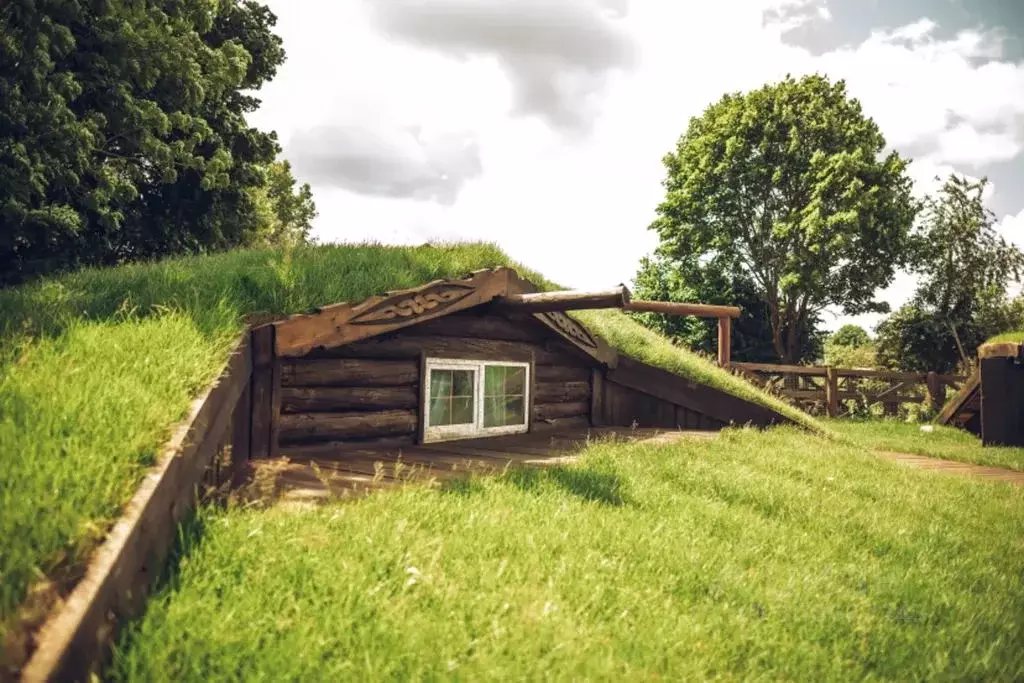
column 758, row 556
column 97, row 366
column 942, row 442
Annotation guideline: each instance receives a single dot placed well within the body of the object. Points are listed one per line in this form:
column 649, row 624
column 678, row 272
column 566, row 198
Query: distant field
column 762, row 556
column 942, row 442
column 97, row 366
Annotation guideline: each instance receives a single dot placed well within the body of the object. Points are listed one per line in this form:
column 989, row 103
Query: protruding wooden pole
column 545, row 302
column 672, row 308
column 724, row 341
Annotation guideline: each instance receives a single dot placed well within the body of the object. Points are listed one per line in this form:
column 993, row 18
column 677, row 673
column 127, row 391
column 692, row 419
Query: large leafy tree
column 663, row 278
column 788, row 186
column 963, row 266
column 123, row 131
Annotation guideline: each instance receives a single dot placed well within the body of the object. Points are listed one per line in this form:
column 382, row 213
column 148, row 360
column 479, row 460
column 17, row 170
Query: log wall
column 369, row 390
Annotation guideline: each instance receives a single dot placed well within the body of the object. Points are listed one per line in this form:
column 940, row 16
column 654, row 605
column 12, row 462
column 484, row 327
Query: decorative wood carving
column 341, row 324
column 436, row 298
column 570, row 328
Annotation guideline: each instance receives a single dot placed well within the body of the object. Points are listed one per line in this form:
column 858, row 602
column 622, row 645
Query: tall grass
column 756, row 556
column 97, row 366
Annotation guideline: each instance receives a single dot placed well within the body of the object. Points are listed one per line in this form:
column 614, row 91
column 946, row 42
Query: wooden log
column 331, row 372
column 562, row 373
column 542, row 302
column 672, row 308
column 771, row 369
column 552, row 411
column 275, row 407
column 480, row 327
column 831, row 392
column 341, row 399
column 724, row 341
column 409, row 347
column 559, row 424
column 262, row 390
column 562, row 392
column 241, row 429
column 305, row 427
column 597, row 417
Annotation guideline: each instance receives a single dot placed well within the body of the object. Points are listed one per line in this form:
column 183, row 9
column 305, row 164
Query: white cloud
column 555, row 54
column 387, row 160
column 577, row 207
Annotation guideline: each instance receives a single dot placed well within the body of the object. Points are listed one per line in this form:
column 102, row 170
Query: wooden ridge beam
column 569, row 300
column 672, row 308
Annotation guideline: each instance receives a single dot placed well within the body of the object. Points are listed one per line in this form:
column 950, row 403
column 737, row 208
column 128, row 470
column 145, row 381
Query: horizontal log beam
column 672, row 308
column 340, row 399
column 561, row 392
column 544, row 302
column 305, row 427
column 552, row 411
column 350, row 372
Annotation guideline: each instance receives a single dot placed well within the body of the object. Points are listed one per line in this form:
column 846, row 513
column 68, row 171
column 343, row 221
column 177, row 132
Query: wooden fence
column 829, row 386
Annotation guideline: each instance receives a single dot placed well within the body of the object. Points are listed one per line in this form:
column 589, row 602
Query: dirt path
column 963, row 469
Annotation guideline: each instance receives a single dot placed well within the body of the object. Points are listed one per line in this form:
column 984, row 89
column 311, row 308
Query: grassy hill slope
column 97, row 366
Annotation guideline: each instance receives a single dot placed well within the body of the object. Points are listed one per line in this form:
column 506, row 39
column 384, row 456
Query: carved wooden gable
column 341, row 324
column 345, row 323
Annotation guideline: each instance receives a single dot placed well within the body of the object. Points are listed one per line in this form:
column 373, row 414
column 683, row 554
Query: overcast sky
column 541, row 124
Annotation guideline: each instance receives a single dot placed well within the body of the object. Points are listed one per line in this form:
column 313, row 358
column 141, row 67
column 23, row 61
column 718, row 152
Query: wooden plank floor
column 314, row 473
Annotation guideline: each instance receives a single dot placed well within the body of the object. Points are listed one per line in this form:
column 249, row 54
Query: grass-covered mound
column 948, row 443
column 97, row 366
column 1017, row 336
column 754, row 556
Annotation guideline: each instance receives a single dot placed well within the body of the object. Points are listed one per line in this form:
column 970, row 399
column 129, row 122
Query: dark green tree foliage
column 964, row 267
column 123, row 132
column 787, row 187
column 914, row 339
column 664, row 279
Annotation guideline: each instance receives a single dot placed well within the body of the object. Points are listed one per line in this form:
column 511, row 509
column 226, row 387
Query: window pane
column 515, row 381
column 503, row 411
column 463, row 383
column 440, row 383
column 462, row 411
column 494, row 380
column 440, row 411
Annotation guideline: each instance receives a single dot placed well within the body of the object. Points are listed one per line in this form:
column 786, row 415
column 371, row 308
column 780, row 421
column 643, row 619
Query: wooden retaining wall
column 73, row 643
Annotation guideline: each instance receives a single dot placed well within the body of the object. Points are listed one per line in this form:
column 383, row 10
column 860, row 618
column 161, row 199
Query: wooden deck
column 320, row 472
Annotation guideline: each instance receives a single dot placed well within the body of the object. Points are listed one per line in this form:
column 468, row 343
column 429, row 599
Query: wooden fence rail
column 830, row 386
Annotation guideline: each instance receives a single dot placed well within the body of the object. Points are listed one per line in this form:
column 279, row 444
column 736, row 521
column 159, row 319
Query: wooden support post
column 597, row 397
column 241, row 430
column 724, row 341
column 262, row 391
column 831, row 391
column 936, row 391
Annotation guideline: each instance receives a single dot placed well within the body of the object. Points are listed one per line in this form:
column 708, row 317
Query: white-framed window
column 467, row 398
